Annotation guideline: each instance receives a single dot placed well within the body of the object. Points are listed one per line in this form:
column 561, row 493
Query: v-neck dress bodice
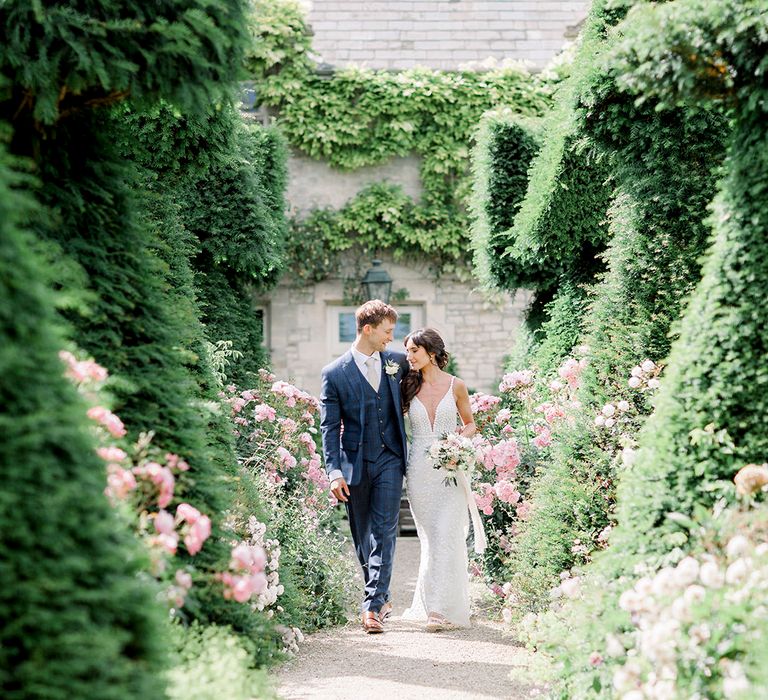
column 441, row 517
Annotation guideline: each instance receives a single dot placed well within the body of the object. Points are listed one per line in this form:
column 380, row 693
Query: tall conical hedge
column 228, row 177
column 717, row 372
column 68, row 69
column 78, row 621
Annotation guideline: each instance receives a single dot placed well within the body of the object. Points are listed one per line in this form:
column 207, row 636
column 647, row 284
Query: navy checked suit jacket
column 342, row 403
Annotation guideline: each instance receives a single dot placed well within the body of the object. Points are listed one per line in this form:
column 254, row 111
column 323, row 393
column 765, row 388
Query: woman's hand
column 468, row 430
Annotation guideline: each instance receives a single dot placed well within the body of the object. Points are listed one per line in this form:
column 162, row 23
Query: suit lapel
column 352, row 373
column 394, row 387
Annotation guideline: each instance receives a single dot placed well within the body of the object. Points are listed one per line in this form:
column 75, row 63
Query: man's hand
column 340, row 489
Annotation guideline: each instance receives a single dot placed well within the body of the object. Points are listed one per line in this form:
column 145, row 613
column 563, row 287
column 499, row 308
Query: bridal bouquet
column 454, row 453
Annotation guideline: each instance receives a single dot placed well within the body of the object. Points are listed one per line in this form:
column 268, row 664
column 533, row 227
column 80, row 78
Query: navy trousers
column 373, row 509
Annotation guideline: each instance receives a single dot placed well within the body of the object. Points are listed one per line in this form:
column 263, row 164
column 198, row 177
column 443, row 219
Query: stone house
column 306, row 327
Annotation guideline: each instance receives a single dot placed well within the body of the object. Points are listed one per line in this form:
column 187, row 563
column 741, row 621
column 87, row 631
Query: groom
column 365, row 449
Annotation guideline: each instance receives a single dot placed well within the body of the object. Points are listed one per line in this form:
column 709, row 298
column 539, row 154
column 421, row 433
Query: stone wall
column 477, row 332
column 314, row 183
column 443, row 34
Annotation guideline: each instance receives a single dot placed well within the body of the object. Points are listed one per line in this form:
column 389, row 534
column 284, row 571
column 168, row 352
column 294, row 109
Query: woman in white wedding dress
column 435, row 401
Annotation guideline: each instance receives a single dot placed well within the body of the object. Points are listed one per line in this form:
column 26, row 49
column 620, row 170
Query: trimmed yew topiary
column 78, row 620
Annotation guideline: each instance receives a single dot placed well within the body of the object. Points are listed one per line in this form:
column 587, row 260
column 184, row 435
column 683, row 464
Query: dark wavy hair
column 430, row 340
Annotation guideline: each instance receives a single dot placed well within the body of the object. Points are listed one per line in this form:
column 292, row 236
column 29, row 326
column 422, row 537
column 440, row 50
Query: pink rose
column 183, row 579
column 119, row 482
column 198, row 533
column 286, row 458
column 264, row 412
column 187, row 513
column 543, row 436
column 111, row 454
column 164, row 523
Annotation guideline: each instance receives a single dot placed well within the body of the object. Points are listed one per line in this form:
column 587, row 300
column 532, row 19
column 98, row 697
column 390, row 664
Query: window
column 342, row 330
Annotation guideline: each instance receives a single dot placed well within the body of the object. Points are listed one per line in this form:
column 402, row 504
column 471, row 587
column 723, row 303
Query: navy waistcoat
column 381, row 427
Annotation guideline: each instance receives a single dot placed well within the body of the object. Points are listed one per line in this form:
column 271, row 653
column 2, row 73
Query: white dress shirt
column 360, row 360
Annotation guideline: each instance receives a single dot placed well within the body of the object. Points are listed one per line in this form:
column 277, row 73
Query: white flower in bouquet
column 453, row 453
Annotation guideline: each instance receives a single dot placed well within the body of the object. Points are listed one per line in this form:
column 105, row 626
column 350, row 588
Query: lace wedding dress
column 442, row 520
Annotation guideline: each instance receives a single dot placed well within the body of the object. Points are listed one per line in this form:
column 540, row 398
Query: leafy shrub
column 277, row 446
column 504, row 147
column 78, row 619
column 211, row 661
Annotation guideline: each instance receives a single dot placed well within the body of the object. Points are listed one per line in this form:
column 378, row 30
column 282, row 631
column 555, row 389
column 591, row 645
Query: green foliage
column 78, row 621
column 716, row 375
column 358, row 117
column 66, row 59
column 136, row 328
column 562, row 329
column 504, row 148
column 560, row 226
column 213, row 662
column 684, row 57
column 227, row 179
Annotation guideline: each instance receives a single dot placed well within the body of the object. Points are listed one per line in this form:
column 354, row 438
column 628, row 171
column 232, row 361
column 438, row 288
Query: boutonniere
column 391, row 368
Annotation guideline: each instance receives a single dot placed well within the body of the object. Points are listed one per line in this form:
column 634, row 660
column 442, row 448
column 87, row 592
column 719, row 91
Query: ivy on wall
column 357, row 117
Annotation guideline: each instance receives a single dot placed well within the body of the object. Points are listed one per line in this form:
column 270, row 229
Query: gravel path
column 407, row 663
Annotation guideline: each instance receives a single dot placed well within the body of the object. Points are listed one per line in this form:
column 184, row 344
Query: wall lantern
column 377, row 284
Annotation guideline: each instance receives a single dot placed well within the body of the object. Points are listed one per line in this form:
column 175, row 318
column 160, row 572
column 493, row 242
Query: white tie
column 371, row 374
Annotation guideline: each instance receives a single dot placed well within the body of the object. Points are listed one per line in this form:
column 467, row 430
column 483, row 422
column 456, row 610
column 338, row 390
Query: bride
column 434, row 400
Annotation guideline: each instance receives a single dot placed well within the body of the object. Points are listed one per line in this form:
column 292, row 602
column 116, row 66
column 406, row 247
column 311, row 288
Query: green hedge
column 227, row 178
column 78, row 621
column 505, row 144
column 716, row 370
column 560, row 226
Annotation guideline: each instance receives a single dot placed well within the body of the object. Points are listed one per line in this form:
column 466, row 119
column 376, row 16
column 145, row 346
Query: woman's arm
column 461, row 395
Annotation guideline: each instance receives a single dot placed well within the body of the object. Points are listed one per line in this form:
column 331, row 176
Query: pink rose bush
column 143, row 479
column 277, row 438
column 253, row 574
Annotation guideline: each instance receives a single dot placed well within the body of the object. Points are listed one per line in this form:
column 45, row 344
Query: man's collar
column 362, row 357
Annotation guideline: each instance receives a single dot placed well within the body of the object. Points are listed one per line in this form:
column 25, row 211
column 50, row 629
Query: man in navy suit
column 364, row 446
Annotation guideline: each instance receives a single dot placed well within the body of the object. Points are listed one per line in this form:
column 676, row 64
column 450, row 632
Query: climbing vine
column 358, row 117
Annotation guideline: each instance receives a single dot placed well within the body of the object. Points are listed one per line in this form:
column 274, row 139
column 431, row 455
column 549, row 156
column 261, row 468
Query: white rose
column 636, row 371
column 599, row 420
column 628, row 456
column 737, row 547
column 694, row 594
column 571, row 587
column 738, row 571
column 609, row 422
column 761, row 549
column 711, row 575
column 648, row 366
column 663, row 582
column 613, row 646
column 626, row 677
column 608, row 410
column 654, row 383
column 644, row 586
column 623, row 405
column 687, row 571
column 700, row 633
column 635, row 382
column 633, row 695
column 681, row 610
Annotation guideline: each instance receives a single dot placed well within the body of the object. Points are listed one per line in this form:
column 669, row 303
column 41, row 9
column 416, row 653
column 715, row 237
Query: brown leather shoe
column 372, row 623
column 386, row 611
